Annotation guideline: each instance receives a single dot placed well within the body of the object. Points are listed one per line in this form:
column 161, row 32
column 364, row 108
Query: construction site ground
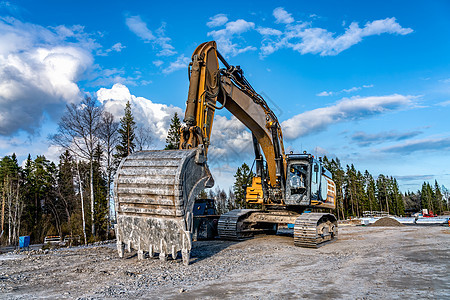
column 365, row 263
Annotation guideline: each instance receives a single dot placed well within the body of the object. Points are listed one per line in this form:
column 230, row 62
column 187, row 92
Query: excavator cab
column 308, row 183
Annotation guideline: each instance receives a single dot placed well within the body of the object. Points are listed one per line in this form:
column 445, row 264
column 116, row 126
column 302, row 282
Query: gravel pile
column 387, row 222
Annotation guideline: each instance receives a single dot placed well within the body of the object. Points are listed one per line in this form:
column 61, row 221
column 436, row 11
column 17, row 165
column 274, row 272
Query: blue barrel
column 24, row 241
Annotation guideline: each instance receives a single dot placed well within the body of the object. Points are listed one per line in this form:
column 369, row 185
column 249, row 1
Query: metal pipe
column 191, row 103
column 222, row 60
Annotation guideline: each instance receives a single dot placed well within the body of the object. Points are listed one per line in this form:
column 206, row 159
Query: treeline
column 358, row 192
column 71, row 198
column 43, row 198
column 235, row 198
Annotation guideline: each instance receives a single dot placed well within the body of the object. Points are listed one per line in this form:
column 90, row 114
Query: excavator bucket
column 154, row 198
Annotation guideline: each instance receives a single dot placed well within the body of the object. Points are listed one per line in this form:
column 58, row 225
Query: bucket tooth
column 154, row 193
column 151, row 253
column 120, row 248
column 186, row 256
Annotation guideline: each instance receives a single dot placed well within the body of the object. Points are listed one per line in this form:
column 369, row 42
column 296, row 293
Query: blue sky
column 366, row 82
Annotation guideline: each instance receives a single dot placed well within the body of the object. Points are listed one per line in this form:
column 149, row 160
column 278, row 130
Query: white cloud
column 388, row 25
column 324, row 94
column 269, row 31
column 353, row 89
column 304, row 38
column 230, row 141
column 224, row 37
column 282, row 16
column 158, row 62
column 139, row 27
column 117, row 47
column 444, row 103
column 350, row 90
column 345, row 110
column 181, row 63
column 147, row 113
column 107, row 77
column 158, row 40
column 217, row 20
column 440, row 144
column 39, row 69
column 365, row 139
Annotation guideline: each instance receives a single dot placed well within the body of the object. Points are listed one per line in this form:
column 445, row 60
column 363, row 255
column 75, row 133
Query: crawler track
column 312, row 230
column 231, row 227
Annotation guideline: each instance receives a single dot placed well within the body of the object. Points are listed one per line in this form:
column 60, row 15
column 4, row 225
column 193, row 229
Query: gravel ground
column 365, row 263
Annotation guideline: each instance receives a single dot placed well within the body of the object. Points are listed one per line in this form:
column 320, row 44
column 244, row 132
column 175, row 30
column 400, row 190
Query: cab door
column 315, row 180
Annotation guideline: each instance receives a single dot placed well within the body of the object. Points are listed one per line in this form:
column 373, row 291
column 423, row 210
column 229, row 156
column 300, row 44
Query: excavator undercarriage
column 311, row 230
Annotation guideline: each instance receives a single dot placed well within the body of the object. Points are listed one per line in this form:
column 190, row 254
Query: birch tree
column 78, row 132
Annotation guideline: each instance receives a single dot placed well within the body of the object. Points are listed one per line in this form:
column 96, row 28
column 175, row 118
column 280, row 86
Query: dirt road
column 365, row 263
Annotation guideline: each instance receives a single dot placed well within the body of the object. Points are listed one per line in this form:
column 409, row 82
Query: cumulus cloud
column 159, row 40
column 282, row 16
column 224, row 37
column 304, row 38
column 365, row 139
column 230, row 140
column 217, row 20
column 181, row 63
column 154, row 116
column 428, row 144
column 345, row 110
column 39, row 69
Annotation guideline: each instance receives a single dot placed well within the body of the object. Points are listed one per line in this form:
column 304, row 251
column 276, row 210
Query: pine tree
column 29, row 216
column 173, row 136
column 126, row 132
column 370, row 191
column 338, row 175
column 426, row 196
column 66, row 190
column 383, row 193
column 438, row 202
column 350, row 185
column 243, row 178
column 100, row 194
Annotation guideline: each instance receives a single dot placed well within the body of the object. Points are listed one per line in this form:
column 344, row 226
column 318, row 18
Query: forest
column 357, row 192
column 73, row 196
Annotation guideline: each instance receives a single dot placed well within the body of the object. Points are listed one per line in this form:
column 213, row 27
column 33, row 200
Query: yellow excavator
column 155, row 190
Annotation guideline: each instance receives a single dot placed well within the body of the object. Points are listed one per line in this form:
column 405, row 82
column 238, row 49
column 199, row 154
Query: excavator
column 155, row 190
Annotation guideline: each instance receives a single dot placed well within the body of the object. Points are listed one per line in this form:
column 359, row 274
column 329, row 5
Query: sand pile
column 386, row 221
